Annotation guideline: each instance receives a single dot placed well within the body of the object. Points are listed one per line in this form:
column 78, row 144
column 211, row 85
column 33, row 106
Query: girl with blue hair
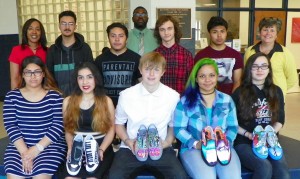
column 205, row 123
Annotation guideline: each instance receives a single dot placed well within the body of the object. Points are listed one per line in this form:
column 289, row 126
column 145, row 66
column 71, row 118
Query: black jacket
column 61, row 62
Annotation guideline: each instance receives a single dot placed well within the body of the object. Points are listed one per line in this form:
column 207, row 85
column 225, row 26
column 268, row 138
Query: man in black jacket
column 68, row 51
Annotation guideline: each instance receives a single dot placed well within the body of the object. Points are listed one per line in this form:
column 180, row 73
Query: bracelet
column 245, row 133
column 101, row 150
column 39, row 147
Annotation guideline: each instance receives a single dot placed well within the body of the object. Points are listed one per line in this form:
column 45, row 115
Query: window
column 93, row 16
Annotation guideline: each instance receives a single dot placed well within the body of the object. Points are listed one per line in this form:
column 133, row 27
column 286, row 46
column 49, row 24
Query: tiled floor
column 290, row 129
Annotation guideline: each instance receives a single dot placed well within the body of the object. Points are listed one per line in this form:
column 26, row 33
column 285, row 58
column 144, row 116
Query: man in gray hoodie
column 67, row 52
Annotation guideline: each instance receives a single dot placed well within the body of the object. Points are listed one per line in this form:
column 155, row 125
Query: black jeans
column 125, row 165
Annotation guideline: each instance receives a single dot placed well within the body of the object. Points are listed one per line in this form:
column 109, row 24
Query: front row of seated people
column 148, row 117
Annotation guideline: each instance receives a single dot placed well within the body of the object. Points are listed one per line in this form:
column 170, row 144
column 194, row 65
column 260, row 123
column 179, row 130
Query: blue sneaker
column 259, row 146
column 208, row 147
column 223, row 147
column 155, row 146
column 74, row 161
column 91, row 149
column 274, row 149
column 141, row 144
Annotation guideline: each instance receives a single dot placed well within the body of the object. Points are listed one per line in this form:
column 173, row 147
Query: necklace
column 208, row 93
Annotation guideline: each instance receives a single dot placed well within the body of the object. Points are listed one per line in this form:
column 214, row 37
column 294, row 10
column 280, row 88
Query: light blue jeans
column 195, row 166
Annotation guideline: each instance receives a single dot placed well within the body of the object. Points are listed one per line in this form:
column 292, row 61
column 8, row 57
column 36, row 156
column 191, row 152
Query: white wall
column 8, row 17
column 151, row 6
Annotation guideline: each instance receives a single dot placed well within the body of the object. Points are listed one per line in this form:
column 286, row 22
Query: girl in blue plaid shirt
column 200, row 106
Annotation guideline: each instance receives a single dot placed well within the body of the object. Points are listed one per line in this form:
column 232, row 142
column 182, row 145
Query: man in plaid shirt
column 179, row 60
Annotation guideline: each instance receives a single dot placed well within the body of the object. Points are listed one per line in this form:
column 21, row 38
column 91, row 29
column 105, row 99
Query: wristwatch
column 39, row 147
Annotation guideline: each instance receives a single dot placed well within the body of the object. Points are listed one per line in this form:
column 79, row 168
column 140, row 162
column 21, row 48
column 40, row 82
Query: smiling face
column 34, row 33
column 207, row 79
column 260, row 70
column 33, row 75
column 86, row 81
column 151, row 74
column 268, row 34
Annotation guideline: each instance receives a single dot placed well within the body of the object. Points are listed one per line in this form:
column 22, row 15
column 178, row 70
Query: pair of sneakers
column 265, row 143
column 215, row 146
column 148, row 143
column 87, row 146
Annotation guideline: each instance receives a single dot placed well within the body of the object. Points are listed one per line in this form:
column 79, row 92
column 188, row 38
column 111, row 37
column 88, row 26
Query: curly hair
column 101, row 121
column 269, row 22
column 163, row 19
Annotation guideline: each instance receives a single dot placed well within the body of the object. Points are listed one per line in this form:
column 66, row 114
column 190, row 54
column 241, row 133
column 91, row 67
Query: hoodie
column 61, row 61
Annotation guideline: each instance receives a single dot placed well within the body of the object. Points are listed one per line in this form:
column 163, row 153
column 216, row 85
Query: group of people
column 144, row 79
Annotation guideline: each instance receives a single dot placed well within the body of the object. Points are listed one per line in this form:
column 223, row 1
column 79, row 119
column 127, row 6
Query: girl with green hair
column 202, row 113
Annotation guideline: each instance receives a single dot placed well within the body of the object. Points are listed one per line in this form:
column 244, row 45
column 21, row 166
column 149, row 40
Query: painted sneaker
column 259, row 146
column 208, row 147
column 74, row 160
column 155, row 145
column 274, row 149
column 223, row 147
column 91, row 153
column 141, row 144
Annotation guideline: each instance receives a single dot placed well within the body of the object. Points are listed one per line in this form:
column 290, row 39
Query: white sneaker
column 91, row 153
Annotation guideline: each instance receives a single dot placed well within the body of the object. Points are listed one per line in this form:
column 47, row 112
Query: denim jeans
column 262, row 168
column 195, row 166
column 125, row 165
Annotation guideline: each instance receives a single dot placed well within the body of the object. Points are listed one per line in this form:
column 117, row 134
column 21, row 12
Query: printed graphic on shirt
column 225, row 66
column 263, row 114
column 117, row 76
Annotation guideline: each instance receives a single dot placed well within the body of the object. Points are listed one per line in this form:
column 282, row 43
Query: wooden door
column 260, row 15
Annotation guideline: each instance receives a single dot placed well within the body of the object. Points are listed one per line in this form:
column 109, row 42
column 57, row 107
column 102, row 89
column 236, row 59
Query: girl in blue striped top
column 33, row 121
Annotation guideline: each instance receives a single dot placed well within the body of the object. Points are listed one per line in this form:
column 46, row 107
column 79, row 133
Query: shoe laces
column 153, row 138
column 142, row 139
column 91, row 155
column 272, row 139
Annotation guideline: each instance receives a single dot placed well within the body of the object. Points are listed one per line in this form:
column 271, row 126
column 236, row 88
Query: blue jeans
column 195, row 166
column 262, row 168
column 125, row 165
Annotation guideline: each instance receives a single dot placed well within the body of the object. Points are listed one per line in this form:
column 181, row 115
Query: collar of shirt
column 171, row 49
column 137, row 32
column 156, row 93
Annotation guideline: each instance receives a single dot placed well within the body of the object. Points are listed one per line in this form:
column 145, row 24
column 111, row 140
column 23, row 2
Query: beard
column 140, row 25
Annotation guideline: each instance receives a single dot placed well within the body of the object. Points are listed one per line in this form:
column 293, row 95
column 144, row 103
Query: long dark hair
column 248, row 96
column 48, row 82
column 43, row 39
column 101, row 121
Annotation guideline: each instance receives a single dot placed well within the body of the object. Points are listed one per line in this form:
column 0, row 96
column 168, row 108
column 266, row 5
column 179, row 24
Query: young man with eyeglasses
column 230, row 61
column 140, row 38
column 68, row 51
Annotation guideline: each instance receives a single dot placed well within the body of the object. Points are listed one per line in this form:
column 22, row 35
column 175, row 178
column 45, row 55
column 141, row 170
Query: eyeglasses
column 263, row 67
column 65, row 24
column 35, row 73
column 140, row 14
